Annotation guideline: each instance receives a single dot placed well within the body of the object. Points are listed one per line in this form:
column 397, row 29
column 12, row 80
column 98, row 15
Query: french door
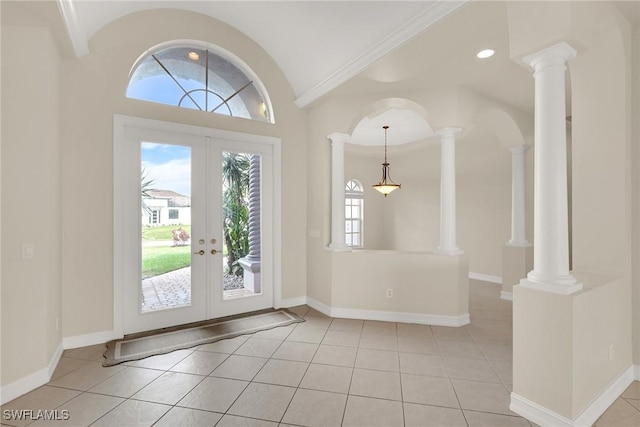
column 196, row 222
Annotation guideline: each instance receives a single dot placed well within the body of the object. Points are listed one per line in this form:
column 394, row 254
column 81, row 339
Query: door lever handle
column 200, row 252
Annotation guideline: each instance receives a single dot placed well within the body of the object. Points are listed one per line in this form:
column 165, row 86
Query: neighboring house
column 166, row 207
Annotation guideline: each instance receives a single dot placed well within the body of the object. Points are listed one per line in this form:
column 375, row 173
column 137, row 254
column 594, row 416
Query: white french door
column 194, row 224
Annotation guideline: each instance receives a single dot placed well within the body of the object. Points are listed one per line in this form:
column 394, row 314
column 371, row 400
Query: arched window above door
column 201, row 78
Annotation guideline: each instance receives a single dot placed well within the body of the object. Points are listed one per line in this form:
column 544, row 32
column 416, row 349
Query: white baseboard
column 317, row 305
column 88, row 339
column 31, row 381
column 486, row 278
column 292, row 302
column 636, row 372
column 506, row 295
column 389, row 316
column 545, row 417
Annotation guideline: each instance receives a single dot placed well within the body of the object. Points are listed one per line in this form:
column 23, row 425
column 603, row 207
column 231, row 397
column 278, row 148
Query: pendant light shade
column 386, row 185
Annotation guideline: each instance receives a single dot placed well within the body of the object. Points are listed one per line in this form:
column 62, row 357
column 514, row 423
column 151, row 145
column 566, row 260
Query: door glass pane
column 241, row 199
column 166, row 226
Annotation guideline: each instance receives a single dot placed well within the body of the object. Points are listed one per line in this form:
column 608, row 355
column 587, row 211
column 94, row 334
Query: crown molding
column 75, row 28
column 438, row 11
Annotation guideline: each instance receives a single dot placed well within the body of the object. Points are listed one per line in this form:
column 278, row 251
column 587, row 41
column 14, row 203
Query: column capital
column 338, row 137
column 555, row 55
column 519, row 149
column 448, row 130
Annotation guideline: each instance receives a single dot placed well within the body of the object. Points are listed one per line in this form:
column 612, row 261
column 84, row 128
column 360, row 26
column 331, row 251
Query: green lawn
column 157, row 260
column 162, row 233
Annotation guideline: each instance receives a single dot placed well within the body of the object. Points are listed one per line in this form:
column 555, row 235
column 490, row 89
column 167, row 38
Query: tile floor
column 324, row 372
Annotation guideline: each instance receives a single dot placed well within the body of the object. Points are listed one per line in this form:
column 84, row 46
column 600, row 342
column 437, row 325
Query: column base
column 448, row 251
column 564, row 285
column 339, row 247
column 519, row 243
column 252, row 280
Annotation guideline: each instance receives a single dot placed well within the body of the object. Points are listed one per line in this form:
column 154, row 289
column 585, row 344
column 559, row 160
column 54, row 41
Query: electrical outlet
column 389, row 293
column 28, row 250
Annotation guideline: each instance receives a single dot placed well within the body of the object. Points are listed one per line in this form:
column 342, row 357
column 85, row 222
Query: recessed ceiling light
column 194, row 55
column 486, row 53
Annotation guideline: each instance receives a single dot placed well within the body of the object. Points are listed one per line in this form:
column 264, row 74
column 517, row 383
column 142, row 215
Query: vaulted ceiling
column 350, row 47
column 318, row 44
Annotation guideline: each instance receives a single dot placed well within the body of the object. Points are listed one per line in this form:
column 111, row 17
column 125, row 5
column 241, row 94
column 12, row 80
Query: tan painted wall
column 601, row 146
column 517, row 262
column 561, row 343
column 421, row 283
column 94, row 89
column 31, row 205
column 635, row 147
column 602, row 160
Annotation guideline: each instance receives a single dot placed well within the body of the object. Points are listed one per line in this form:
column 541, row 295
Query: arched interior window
column 201, row 79
column 354, row 198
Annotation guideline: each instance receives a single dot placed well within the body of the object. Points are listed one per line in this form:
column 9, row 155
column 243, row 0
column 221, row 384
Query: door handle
column 200, row 252
column 213, row 252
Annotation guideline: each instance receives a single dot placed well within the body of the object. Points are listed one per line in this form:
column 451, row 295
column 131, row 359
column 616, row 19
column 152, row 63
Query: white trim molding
column 438, row 11
column 31, row 381
column 507, row 296
column 89, row 339
column 292, row 302
column 545, row 417
column 390, row 316
column 75, row 27
column 636, row 373
column 486, row 277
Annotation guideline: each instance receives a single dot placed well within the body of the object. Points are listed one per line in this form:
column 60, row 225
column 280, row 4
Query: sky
column 169, row 165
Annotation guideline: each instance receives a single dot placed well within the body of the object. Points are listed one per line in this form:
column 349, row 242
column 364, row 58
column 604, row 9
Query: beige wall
column 561, row 343
column 31, row 205
column 635, row 212
column 94, row 89
column 602, row 161
column 433, row 288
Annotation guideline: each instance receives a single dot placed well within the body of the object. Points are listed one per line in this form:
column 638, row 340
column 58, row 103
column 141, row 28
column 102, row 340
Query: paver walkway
column 173, row 289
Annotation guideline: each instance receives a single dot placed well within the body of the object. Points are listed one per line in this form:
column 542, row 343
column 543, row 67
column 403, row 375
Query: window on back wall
column 205, row 79
column 353, row 203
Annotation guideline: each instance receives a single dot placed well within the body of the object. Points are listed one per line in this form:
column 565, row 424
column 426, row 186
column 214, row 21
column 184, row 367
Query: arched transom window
column 202, row 79
column 353, row 214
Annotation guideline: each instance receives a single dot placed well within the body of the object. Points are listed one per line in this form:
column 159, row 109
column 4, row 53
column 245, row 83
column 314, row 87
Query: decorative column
column 517, row 254
column 518, row 217
column 551, row 224
column 251, row 263
column 337, row 191
column 448, row 244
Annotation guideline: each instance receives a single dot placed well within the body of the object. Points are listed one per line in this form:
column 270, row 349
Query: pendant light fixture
column 386, row 185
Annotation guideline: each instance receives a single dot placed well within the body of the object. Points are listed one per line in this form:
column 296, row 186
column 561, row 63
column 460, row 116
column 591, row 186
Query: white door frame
column 120, row 122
